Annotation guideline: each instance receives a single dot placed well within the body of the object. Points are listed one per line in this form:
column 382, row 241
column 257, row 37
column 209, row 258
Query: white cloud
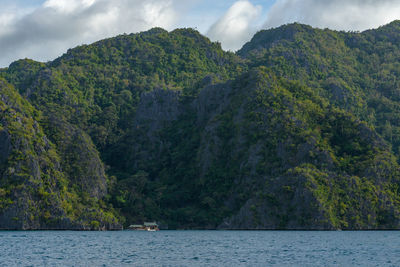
column 47, row 31
column 57, row 25
column 334, row 14
column 68, row 6
column 5, row 20
column 235, row 27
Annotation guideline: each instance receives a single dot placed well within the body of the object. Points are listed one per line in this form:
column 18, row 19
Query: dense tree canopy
column 300, row 129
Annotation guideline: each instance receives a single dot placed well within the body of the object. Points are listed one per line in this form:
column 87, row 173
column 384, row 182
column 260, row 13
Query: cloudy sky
column 45, row 29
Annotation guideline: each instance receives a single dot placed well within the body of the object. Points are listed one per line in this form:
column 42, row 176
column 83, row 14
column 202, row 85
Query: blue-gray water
column 200, row 248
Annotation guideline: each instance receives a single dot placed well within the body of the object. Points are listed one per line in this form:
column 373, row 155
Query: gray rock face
column 156, row 111
column 81, row 160
column 296, row 210
column 34, row 177
column 5, row 146
column 156, row 108
column 212, row 100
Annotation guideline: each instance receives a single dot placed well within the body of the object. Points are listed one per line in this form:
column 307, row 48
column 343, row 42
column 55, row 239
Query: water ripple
column 200, row 248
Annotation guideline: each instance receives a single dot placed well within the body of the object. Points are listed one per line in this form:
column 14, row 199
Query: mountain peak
column 154, row 31
column 265, row 38
column 389, row 32
column 393, row 24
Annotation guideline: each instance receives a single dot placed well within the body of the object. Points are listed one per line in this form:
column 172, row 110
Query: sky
column 44, row 29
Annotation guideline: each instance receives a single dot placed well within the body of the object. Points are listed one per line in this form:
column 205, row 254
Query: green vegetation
column 34, row 188
column 300, row 129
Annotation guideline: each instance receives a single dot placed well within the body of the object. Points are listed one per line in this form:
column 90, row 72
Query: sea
column 200, row 248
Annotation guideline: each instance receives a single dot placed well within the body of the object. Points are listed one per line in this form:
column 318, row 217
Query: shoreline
column 217, row 230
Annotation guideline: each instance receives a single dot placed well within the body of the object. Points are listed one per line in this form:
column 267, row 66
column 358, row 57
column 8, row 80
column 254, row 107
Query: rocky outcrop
column 5, row 146
column 36, row 192
column 80, row 158
column 156, row 109
column 298, row 130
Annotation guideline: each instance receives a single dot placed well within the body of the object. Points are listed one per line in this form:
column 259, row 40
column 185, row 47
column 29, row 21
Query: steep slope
column 299, row 130
column 355, row 71
column 34, row 189
column 89, row 96
column 317, row 166
column 259, row 152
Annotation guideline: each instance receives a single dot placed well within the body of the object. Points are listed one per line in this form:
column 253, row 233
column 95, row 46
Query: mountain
column 297, row 130
column 34, row 188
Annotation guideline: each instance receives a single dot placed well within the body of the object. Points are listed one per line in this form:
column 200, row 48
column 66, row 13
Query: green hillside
column 300, row 129
column 35, row 191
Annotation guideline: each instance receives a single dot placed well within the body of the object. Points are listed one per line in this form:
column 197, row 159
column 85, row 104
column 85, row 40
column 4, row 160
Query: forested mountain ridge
column 299, row 129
